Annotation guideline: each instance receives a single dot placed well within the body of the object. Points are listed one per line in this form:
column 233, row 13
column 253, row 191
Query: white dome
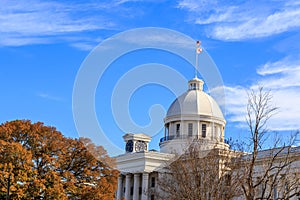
column 195, row 103
column 193, row 115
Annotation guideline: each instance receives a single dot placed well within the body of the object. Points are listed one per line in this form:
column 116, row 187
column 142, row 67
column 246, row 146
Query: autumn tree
column 38, row 162
column 15, row 169
column 266, row 173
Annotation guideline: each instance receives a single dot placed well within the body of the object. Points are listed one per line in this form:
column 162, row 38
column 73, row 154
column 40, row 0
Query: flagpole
column 198, row 51
column 196, row 67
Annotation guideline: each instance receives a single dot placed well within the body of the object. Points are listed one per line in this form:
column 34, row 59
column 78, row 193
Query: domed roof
column 195, row 102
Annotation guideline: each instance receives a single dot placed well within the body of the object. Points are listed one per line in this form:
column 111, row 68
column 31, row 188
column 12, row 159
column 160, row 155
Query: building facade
column 193, row 115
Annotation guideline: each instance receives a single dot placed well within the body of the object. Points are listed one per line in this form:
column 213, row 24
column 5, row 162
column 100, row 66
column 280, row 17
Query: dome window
column 195, row 84
column 177, row 130
column 204, row 130
column 190, row 129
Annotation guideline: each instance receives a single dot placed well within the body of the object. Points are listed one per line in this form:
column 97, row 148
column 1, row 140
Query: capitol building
column 194, row 115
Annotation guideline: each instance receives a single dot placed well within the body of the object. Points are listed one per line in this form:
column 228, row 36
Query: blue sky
column 44, row 43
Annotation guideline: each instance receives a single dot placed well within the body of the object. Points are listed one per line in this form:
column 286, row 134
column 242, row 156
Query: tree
column 271, row 173
column 15, row 169
column 40, row 163
column 198, row 174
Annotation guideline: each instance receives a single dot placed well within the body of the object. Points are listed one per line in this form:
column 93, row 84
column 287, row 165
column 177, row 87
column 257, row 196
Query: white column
column 198, row 131
column 120, row 186
column 136, row 186
column 127, row 186
column 145, row 186
column 211, row 131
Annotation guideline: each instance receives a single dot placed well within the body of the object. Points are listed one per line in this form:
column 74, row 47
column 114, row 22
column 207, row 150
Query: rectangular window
column 177, row 130
column 140, row 190
column 153, row 182
column 203, row 130
column 131, row 191
column 167, row 131
column 152, row 197
column 190, row 129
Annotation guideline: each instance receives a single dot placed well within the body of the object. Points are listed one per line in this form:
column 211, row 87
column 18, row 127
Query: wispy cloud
column 263, row 26
column 31, row 22
column 84, row 46
column 247, row 20
column 49, row 97
column 280, row 74
column 281, row 66
column 127, row 1
column 158, row 36
column 282, row 78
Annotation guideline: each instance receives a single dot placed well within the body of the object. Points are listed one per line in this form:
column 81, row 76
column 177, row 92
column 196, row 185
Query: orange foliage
column 40, row 163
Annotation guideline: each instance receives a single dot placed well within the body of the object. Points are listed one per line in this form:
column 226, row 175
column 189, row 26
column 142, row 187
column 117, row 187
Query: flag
column 198, row 49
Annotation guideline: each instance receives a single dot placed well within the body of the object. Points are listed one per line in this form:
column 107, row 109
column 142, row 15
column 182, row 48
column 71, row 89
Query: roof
column 195, row 102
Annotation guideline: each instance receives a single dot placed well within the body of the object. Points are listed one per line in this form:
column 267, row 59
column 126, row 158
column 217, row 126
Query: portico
column 133, row 186
column 137, row 171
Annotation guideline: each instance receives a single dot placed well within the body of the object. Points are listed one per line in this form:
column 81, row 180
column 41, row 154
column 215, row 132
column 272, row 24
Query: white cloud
column 126, row 1
column 262, row 26
column 247, row 20
column 281, row 74
column 283, row 79
column 197, row 6
column 281, row 66
column 158, row 36
column 236, row 100
column 31, row 22
column 83, row 46
column 49, row 97
column 219, row 17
